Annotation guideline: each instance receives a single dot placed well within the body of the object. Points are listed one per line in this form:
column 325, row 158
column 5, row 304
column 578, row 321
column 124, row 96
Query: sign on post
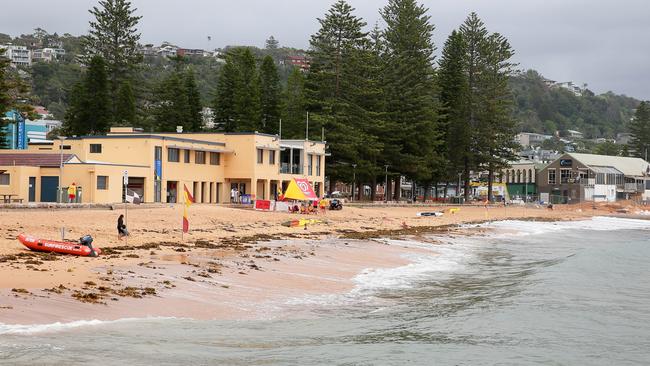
column 125, row 178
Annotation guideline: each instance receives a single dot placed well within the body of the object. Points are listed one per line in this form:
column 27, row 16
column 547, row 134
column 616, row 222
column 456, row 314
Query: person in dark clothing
column 121, row 228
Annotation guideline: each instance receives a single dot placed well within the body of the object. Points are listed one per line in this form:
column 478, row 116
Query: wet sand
column 234, row 264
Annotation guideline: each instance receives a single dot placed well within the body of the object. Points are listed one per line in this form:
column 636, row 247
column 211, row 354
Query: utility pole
column 60, row 192
column 307, row 128
column 280, row 132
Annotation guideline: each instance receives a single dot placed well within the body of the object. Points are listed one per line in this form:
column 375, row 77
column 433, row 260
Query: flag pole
column 126, row 214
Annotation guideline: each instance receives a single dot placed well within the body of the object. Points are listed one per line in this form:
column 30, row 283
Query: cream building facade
column 159, row 165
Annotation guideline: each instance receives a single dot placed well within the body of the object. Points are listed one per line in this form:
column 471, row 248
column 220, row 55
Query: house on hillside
column 301, row 62
column 526, row 139
column 575, row 134
column 18, row 55
column 574, row 178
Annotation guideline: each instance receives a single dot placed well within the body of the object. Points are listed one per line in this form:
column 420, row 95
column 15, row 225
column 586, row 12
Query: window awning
column 605, row 170
column 266, row 147
column 222, row 151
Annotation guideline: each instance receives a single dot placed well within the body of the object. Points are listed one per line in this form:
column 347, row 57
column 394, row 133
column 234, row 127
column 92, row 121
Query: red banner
column 262, row 205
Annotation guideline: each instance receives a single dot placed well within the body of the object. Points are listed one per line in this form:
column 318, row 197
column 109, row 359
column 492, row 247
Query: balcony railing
column 633, row 187
column 285, row 168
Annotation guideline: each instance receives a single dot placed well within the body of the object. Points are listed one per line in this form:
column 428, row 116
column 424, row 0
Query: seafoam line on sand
column 27, row 329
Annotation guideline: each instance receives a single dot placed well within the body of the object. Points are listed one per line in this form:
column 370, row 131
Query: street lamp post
column 61, row 138
column 386, row 185
column 354, row 180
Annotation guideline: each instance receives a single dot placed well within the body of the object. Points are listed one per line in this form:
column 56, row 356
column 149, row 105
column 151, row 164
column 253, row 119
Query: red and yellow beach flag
column 188, row 201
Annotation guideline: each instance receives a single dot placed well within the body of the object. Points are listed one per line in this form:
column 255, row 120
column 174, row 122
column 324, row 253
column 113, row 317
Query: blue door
column 49, row 187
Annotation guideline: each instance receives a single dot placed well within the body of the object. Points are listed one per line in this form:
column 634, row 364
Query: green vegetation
column 378, row 95
column 114, row 36
column 640, row 129
column 90, row 104
column 543, row 109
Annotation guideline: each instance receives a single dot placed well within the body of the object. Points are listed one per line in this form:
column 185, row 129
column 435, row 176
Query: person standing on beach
column 121, row 228
column 233, row 194
column 72, row 192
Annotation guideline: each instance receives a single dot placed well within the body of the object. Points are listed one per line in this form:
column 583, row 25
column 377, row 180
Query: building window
column 94, row 148
column 215, row 158
column 186, row 156
column 199, row 157
column 4, row 179
column 600, row 178
column 318, row 165
column 173, row 155
column 551, row 176
column 260, row 156
column 565, row 175
column 102, row 182
column 310, row 169
column 530, row 176
column 157, row 153
column 68, row 147
column 271, row 157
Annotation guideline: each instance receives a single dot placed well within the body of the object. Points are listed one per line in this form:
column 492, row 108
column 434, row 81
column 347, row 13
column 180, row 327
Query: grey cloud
column 603, row 43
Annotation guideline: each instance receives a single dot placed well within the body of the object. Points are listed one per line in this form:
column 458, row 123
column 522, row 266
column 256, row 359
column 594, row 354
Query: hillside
column 538, row 106
column 544, row 109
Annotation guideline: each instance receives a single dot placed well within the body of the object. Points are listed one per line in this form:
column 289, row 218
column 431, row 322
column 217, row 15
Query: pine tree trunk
column 466, row 176
column 397, row 188
column 490, row 177
column 373, row 189
column 387, row 189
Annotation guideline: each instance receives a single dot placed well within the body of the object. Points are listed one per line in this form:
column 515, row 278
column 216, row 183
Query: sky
column 604, row 44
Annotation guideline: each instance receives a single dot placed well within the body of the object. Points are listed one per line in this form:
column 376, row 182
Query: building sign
column 21, row 141
column 566, row 162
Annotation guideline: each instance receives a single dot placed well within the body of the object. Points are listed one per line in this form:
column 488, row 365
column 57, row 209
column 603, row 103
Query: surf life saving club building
column 211, row 165
column 574, row 178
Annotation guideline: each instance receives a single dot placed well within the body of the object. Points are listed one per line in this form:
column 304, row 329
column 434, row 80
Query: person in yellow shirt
column 72, row 192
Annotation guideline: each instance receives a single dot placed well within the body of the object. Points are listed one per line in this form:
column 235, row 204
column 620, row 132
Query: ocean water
column 527, row 293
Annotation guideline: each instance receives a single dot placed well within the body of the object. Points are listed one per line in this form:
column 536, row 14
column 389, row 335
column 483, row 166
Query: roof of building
column 35, row 159
column 628, row 166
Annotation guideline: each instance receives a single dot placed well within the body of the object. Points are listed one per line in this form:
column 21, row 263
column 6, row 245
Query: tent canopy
column 300, row 189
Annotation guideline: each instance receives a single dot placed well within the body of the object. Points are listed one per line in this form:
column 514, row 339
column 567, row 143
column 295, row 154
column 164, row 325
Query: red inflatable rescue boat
column 66, row 247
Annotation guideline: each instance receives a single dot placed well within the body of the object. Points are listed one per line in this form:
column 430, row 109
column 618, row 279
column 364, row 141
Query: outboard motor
column 87, row 240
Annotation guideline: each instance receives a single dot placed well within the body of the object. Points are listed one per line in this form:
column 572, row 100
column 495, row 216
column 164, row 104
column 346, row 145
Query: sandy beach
column 234, row 264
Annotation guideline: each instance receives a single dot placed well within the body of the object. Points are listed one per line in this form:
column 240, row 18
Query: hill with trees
column 543, row 109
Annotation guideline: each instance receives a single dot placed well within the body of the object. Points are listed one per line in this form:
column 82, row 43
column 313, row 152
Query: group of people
column 310, row 207
column 235, row 195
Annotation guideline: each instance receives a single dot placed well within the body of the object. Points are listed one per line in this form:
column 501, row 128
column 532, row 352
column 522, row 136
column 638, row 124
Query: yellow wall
column 238, row 164
column 19, row 181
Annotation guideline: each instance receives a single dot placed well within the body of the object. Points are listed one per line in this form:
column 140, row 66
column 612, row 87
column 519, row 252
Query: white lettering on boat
column 58, row 246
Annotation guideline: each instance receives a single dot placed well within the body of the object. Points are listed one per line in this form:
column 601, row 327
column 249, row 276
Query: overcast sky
column 603, row 43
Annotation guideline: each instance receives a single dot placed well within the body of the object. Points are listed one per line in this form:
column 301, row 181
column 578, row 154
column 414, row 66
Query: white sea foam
column 59, row 327
column 600, row 223
column 452, row 256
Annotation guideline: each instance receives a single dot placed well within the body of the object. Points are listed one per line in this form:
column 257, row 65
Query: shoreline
column 236, row 268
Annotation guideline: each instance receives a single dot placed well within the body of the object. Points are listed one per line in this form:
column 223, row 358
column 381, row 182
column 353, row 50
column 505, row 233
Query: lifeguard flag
column 188, row 201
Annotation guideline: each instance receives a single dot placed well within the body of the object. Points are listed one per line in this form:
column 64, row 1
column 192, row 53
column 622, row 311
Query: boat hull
column 44, row 245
